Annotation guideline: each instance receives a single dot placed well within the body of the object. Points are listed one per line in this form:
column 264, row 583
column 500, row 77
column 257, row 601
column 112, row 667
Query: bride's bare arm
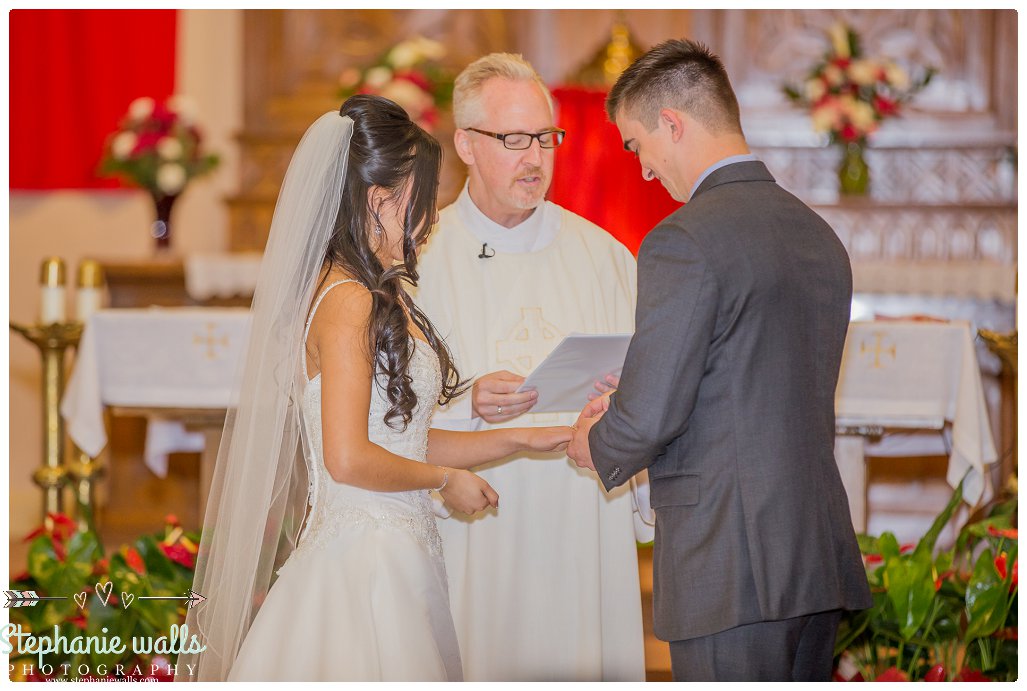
column 338, row 338
column 469, row 449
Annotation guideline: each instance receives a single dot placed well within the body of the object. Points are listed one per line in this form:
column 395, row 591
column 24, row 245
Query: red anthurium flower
column 179, row 555
column 907, row 548
column 1002, row 532
column 415, row 77
column 1007, row 634
column 892, row 674
column 172, row 520
column 134, row 561
column 873, row 558
column 936, row 673
column 79, row 621
column 967, row 674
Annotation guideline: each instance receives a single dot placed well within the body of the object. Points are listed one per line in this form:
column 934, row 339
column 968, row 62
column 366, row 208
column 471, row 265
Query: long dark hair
column 388, row 150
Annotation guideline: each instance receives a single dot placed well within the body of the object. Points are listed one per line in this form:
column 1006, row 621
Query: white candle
column 51, row 299
column 89, row 295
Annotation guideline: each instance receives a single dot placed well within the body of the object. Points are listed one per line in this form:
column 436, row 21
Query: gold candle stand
column 52, row 340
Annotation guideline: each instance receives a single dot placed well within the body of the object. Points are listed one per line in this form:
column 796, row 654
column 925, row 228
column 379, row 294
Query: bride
column 341, row 376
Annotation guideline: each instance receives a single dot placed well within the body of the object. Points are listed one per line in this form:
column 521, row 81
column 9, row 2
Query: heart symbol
column 107, row 589
column 80, row 599
column 126, row 599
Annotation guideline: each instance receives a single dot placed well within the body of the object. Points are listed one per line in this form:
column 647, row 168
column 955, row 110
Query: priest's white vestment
column 545, row 587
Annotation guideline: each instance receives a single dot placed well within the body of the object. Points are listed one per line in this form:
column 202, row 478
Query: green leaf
column 927, row 542
column 888, row 545
column 910, row 591
column 987, row 599
column 867, row 544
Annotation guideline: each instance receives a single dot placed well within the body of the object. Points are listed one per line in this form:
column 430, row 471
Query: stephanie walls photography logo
column 30, row 652
column 80, row 612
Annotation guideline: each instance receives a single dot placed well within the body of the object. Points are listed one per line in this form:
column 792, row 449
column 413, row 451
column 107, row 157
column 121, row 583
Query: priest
column 537, row 592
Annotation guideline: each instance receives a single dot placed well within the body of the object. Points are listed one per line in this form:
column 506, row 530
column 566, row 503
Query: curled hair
column 388, row 150
column 467, row 106
column 681, row 74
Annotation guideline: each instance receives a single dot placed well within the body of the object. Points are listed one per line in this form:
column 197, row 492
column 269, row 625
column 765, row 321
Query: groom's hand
column 578, row 450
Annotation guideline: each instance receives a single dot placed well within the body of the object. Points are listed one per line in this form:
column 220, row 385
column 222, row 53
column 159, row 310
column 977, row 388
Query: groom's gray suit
column 727, row 397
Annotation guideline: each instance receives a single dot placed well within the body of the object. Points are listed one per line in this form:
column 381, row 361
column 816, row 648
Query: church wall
column 112, row 225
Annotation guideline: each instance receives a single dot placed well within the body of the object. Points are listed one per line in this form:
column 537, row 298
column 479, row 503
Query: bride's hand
column 468, row 493
column 548, row 438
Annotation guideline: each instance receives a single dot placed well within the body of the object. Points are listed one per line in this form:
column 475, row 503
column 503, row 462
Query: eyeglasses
column 518, row 141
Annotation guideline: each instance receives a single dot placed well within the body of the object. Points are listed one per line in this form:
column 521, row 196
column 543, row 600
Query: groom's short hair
column 680, row 74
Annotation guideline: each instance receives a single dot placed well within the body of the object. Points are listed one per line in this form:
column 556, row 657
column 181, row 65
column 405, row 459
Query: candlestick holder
column 52, row 340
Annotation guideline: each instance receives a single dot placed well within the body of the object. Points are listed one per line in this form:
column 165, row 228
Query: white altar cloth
column 221, row 274
column 920, row 375
column 172, row 357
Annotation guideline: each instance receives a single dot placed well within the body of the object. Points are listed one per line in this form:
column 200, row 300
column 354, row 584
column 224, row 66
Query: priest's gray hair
column 680, row 74
column 467, row 106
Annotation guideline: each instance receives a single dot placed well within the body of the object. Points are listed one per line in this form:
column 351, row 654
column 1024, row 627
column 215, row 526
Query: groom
column 727, row 392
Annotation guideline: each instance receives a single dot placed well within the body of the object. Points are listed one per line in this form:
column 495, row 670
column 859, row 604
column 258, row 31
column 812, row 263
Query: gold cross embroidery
column 528, row 343
column 209, row 340
column 876, row 349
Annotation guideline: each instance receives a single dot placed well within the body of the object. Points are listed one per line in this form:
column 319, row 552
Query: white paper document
column 568, row 374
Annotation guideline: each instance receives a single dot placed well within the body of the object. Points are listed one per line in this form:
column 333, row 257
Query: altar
column 895, row 375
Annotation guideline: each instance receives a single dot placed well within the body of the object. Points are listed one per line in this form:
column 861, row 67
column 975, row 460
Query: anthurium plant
column 71, row 592
column 938, row 615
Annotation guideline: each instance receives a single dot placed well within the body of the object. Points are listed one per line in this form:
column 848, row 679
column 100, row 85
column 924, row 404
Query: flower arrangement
column 411, row 74
column 70, row 564
column 950, row 616
column 158, row 147
column 849, row 95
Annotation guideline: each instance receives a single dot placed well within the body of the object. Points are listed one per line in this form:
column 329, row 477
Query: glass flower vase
column 854, row 174
column 161, row 228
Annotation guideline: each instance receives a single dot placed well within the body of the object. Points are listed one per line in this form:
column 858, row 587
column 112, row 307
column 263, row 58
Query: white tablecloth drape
column 154, row 358
column 221, row 274
column 915, row 375
column 921, row 375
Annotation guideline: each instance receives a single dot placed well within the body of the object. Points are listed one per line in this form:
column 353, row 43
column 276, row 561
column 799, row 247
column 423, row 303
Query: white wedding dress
column 364, row 595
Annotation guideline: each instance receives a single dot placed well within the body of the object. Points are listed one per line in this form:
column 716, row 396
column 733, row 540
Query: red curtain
column 72, row 75
column 596, row 178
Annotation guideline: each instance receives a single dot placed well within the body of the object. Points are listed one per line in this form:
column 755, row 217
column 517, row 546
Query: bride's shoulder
column 341, row 298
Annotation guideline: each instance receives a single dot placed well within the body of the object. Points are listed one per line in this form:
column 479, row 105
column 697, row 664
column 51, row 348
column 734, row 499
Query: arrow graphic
column 25, row 598
column 192, row 598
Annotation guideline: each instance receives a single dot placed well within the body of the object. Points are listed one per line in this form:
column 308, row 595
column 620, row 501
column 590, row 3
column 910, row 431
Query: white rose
column 862, row 116
column 433, row 50
column 171, row 178
column 815, row 90
column 141, row 108
column 833, row 75
column 863, row 72
column 409, row 96
column 896, row 76
column 839, row 34
column 184, row 107
column 826, row 116
column 169, row 148
column 122, row 145
column 377, row 77
column 404, row 55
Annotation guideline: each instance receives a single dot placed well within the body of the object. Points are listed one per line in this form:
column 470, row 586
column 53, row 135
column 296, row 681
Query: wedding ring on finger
column 499, row 410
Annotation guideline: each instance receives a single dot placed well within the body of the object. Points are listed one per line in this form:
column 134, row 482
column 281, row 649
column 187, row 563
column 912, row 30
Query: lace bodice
column 334, row 505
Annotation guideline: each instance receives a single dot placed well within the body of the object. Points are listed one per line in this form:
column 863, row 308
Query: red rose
column 885, row 106
column 849, row 133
